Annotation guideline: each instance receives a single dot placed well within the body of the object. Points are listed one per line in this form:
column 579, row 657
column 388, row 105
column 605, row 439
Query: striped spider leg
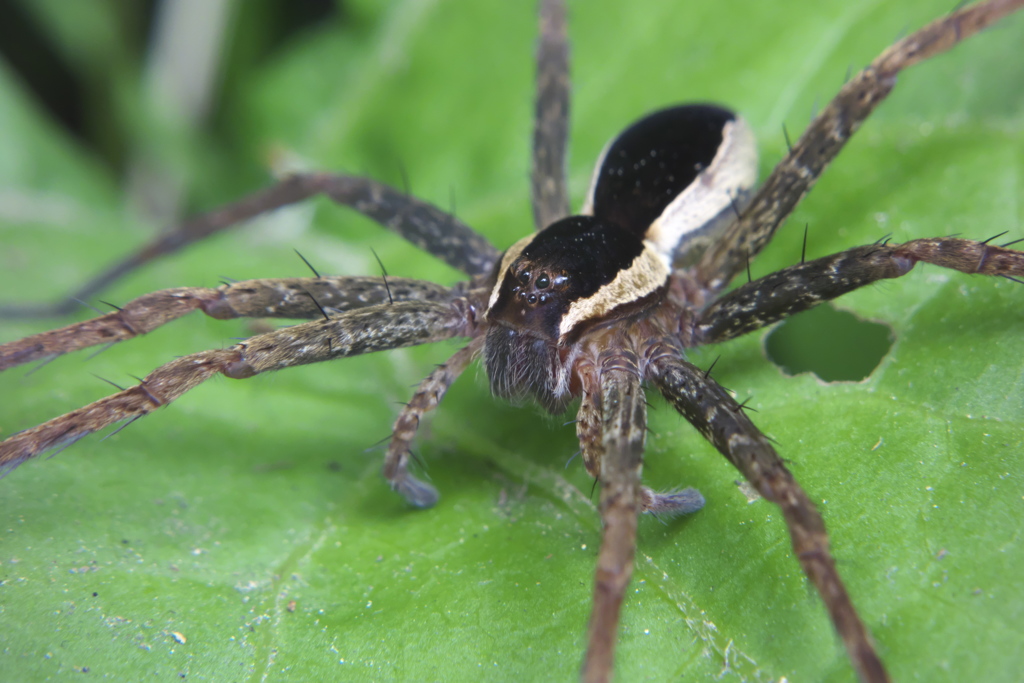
column 592, row 307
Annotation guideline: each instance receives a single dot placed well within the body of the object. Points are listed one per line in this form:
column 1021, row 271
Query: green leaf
column 245, row 531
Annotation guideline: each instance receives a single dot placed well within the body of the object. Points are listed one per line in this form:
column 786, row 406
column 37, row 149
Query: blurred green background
column 245, row 533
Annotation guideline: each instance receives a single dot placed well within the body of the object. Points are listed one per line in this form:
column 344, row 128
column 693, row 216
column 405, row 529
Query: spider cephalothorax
column 595, row 306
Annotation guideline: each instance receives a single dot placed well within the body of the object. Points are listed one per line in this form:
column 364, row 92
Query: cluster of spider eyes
column 541, row 282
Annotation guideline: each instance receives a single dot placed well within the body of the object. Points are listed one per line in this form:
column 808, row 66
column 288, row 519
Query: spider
column 687, row 482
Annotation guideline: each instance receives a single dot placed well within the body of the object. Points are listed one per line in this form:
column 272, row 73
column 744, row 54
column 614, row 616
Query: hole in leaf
column 837, row 346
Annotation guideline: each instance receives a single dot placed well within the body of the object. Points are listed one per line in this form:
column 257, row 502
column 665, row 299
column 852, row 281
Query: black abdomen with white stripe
column 650, row 163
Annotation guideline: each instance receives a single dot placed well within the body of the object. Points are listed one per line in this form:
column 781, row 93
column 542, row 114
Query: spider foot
column 418, row 493
column 670, row 503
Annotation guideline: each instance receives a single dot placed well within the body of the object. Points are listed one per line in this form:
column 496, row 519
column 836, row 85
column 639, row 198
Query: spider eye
column 543, row 281
column 524, row 277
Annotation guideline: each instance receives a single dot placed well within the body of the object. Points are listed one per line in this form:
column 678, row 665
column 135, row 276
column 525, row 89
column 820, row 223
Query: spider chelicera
column 418, row 494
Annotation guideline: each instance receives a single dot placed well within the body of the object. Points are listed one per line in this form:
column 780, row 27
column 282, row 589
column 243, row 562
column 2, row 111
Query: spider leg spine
column 715, row 414
column 137, row 317
column 278, row 298
column 364, row 330
column 421, row 223
column 805, row 285
column 828, row 133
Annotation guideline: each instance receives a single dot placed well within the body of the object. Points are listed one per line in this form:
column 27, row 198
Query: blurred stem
column 181, row 74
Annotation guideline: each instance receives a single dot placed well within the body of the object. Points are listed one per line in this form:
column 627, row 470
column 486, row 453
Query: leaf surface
column 245, row 531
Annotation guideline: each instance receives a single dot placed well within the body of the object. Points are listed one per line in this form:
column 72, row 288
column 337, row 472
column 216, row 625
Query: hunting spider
column 604, row 362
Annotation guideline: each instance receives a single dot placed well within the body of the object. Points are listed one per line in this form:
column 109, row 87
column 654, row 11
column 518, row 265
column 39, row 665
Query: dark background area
column 80, row 88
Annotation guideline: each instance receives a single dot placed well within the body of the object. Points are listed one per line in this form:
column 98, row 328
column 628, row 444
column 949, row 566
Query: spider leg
column 709, row 408
column 271, row 298
column 618, row 449
column 588, row 431
column 423, row 224
column 828, row 133
column 375, row 328
column 805, row 285
column 549, row 185
column 427, row 397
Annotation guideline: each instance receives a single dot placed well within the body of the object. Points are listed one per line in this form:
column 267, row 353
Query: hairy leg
column 296, row 298
column 588, row 431
column 827, row 134
column 709, row 408
column 549, row 185
column 623, row 421
column 423, row 224
column 427, row 397
column 376, row 328
column 803, row 286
